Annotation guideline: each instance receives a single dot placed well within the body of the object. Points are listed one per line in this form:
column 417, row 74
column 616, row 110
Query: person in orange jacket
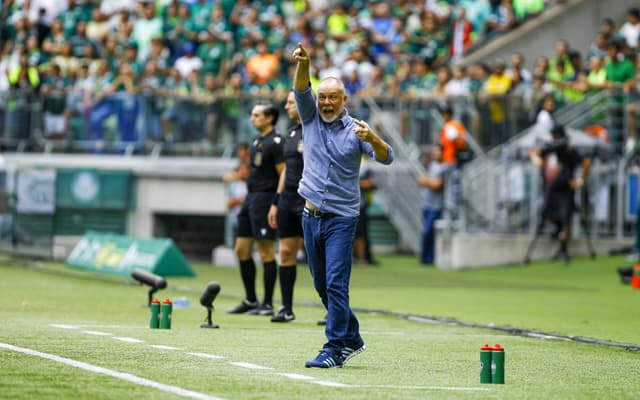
column 453, row 136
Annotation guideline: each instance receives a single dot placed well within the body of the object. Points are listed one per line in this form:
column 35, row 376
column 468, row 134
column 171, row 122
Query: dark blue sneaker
column 325, row 359
column 351, row 351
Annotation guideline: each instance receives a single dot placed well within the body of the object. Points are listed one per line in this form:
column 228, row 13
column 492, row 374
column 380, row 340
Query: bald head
column 331, row 99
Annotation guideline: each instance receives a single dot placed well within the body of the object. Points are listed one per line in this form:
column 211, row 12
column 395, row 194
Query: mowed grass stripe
column 115, row 374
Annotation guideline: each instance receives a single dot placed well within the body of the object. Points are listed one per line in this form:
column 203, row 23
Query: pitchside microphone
column 207, row 298
column 147, row 278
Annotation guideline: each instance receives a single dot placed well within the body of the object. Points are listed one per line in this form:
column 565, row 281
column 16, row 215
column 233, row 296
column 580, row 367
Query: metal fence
column 147, row 123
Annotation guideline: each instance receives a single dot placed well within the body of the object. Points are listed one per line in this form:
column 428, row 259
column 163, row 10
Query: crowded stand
column 171, row 71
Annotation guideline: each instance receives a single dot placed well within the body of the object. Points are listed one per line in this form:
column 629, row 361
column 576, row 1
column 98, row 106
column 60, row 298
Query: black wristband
column 276, row 197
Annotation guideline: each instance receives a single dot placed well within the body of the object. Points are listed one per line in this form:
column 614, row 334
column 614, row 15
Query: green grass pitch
column 71, row 334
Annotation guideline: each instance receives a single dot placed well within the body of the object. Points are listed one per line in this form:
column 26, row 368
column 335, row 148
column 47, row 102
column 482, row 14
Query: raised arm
column 301, row 79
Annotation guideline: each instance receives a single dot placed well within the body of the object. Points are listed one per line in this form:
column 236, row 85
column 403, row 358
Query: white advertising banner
column 36, row 191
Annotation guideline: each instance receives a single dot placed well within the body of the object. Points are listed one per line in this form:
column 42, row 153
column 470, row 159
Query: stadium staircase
column 568, row 20
column 484, row 205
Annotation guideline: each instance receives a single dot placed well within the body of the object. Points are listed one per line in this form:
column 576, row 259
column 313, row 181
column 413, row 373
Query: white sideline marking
column 63, row 326
column 297, row 377
column 205, row 355
column 163, row 347
column 332, row 384
column 115, row 374
column 286, row 375
column 248, row 365
column 128, row 339
column 97, row 333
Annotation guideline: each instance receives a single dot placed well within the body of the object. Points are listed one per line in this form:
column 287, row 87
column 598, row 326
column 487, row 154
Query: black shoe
column 625, row 274
column 265, row 309
column 561, row 255
column 283, row 315
column 323, row 321
column 243, row 307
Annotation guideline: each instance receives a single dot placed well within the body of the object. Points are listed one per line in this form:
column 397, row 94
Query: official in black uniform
column 266, row 165
column 285, row 214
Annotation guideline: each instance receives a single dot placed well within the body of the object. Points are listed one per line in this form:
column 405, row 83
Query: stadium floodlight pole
column 156, row 282
column 207, row 298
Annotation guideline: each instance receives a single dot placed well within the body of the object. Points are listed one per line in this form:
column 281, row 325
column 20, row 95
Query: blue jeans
column 429, row 234
column 329, row 244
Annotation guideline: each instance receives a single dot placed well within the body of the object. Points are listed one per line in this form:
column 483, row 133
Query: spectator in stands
column 433, row 182
column 188, row 62
column 458, row 85
column 495, row 89
column 382, row 29
column 619, row 69
column 501, row 18
column 219, row 26
column 544, row 118
column 517, row 63
column 25, row 77
column 263, row 66
column 527, row 8
column 213, row 53
column 151, row 90
column 562, row 57
column 70, row 18
column 599, row 47
column 119, row 98
column 597, row 77
column 54, row 90
column 97, row 27
column 607, row 27
column 160, row 55
column 630, row 30
column 461, row 35
column 146, row 27
column 52, row 44
column 443, row 77
column 478, row 74
column 376, row 86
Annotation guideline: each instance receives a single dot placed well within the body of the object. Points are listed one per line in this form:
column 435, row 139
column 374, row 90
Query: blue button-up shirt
column 332, row 155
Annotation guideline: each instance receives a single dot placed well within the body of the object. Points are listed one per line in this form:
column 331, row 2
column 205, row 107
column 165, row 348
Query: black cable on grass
column 26, row 264
column 507, row 329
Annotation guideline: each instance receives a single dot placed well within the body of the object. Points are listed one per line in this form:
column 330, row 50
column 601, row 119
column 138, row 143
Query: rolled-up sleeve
column 390, row 156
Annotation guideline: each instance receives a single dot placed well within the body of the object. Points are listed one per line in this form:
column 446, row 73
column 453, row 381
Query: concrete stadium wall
column 464, row 251
column 577, row 21
column 167, row 185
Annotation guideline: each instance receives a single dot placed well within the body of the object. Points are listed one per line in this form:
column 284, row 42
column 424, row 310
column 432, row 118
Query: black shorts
column 559, row 206
column 252, row 220
column 290, row 208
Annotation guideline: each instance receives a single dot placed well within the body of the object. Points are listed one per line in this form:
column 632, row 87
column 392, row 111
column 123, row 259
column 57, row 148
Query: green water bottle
column 154, row 322
column 497, row 364
column 165, row 318
column 485, row 363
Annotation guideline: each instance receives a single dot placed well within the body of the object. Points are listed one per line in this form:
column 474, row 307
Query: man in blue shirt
column 334, row 145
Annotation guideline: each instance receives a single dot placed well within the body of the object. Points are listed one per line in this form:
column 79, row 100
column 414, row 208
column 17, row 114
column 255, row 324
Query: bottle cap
column 497, row 347
column 167, row 301
column 486, row 347
column 156, row 301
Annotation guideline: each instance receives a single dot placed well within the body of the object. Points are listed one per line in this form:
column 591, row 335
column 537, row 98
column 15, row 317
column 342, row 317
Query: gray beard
column 335, row 116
